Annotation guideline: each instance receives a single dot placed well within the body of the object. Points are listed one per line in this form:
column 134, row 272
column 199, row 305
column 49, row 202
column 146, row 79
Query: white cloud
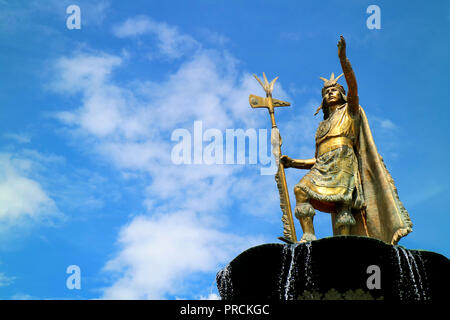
column 382, row 123
column 130, row 125
column 171, row 42
column 84, row 72
column 159, row 253
column 22, row 199
column 211, row 296
column 388, row 124
column 23, row 296
column 214, row 37
column 95, row 13
column 387, row 136
column 21, row 138
column 6, row 280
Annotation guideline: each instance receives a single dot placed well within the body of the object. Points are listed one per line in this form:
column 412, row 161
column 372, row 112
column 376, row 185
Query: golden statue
column 347, row 176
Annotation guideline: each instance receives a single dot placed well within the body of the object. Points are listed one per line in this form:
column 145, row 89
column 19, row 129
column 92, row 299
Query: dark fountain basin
column 335, row 268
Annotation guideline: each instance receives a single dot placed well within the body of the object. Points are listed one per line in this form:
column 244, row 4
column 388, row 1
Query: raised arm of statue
column 352, row 95
column 297, row 163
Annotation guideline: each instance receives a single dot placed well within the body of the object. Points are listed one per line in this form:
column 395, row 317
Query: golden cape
column 384, row 216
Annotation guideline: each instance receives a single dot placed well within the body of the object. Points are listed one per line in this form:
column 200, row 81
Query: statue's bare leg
column 304, row 212
column 344, row 219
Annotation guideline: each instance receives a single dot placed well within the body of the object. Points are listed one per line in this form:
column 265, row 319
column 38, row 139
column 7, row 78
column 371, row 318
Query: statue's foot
column 307, row 237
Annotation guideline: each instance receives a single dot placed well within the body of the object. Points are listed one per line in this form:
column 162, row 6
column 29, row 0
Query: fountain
column 334, row 268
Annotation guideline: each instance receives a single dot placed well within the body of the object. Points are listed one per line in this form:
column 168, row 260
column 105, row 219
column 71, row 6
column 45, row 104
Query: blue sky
column 86, row 176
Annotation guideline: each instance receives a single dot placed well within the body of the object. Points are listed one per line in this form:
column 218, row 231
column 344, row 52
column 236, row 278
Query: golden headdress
column 332, row 82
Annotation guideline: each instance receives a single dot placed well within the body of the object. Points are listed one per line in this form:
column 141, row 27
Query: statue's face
column 332, row 95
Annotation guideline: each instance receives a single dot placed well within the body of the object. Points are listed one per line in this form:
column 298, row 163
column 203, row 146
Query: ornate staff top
column 268, row 102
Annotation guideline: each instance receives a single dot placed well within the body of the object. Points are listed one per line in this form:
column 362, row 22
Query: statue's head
column 332, row 93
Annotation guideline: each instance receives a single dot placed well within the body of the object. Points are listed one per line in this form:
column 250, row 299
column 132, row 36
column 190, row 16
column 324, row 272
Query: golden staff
column 289, row 234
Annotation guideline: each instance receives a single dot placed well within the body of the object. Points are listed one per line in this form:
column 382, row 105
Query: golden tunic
column 335, row 175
